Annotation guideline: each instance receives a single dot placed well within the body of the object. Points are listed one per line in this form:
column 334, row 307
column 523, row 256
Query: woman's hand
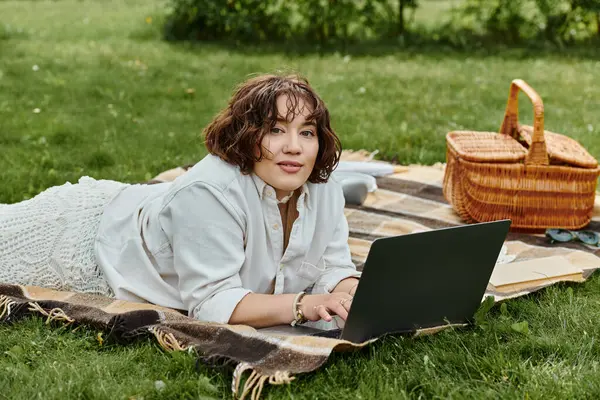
column 347, row 285
column 323, row 306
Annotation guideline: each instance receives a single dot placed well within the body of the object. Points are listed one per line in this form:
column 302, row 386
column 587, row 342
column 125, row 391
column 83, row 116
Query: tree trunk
column 598, row 23
column 401, row 17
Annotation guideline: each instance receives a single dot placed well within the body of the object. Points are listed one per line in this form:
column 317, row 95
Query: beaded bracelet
column 298, row 314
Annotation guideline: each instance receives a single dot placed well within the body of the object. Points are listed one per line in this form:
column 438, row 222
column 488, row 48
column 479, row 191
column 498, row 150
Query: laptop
column 417, row 281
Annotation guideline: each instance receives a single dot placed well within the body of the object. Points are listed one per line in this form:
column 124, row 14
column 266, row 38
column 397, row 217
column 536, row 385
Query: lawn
column 89, row 88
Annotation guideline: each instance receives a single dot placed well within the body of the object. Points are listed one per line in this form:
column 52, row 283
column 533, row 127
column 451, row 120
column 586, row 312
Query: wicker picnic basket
column 536, row 178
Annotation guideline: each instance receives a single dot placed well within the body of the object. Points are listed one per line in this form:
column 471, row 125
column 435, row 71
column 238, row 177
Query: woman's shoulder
column 211, row 171
column 208, row 181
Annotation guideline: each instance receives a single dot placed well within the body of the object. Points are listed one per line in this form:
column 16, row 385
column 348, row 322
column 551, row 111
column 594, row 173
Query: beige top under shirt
column 204, row 241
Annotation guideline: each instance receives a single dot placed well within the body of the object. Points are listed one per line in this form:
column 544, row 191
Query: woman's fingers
column 322, row 311
column 341, row 305
column 347, row 304
column 340, row 311
column 329, row 305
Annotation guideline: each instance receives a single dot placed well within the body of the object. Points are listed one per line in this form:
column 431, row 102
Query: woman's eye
column 307, row 133
column 276, row 130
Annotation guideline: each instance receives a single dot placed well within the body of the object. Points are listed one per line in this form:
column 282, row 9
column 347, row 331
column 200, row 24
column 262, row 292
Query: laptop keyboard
column 331, row 333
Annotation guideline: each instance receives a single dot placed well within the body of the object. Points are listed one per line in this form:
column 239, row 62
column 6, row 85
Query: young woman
column 254, row 233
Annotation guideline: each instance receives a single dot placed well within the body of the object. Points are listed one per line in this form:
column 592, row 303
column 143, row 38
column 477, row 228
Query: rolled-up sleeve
column 337, row 260
column 207, row 235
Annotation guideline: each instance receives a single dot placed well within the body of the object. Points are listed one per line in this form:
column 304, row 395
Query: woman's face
column 290, row 150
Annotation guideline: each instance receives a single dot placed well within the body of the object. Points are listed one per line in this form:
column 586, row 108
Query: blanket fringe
column 56, row 314
column 167, row 341
column 256, row 381
column 253, row 385
column 5, row 305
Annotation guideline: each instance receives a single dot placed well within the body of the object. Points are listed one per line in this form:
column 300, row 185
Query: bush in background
column 212, row 19
column 561, row 22
column 471, row 23
column 310, row 21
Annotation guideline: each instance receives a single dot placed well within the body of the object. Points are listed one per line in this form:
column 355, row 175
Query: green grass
column 113, row 104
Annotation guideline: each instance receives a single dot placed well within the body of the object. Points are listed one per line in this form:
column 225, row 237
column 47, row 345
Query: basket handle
column 538, row 154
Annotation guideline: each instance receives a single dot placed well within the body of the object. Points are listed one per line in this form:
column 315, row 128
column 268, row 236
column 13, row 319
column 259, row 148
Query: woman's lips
column 290, row 168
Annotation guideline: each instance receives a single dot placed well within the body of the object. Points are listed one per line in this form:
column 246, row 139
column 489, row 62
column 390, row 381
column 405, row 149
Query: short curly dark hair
column 238, row 130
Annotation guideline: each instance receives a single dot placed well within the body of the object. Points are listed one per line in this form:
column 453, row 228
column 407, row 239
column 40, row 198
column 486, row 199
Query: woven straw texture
column 536, row 178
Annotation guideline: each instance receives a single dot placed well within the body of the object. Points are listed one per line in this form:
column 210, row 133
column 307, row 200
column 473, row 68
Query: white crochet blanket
column 49, row 240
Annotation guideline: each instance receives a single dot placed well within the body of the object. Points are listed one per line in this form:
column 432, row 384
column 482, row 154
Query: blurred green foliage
column 308, row 21
column 333, row 22
column 561, row 22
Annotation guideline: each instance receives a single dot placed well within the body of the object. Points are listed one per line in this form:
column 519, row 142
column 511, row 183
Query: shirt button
column 270, row 193
column 281, row 267
column 275, row 226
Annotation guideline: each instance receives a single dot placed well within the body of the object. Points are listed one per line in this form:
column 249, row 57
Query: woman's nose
column 292, row 144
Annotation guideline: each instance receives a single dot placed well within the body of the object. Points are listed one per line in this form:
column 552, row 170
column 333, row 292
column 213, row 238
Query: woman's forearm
column 263, row 310
column 347, row 285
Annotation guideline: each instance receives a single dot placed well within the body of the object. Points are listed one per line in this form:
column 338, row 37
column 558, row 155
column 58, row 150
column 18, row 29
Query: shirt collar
column 265, row 190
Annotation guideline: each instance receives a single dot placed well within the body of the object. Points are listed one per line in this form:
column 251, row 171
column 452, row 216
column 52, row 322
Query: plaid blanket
column 408, row 201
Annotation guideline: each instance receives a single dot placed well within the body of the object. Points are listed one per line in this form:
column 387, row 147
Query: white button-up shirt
column 204, row 241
